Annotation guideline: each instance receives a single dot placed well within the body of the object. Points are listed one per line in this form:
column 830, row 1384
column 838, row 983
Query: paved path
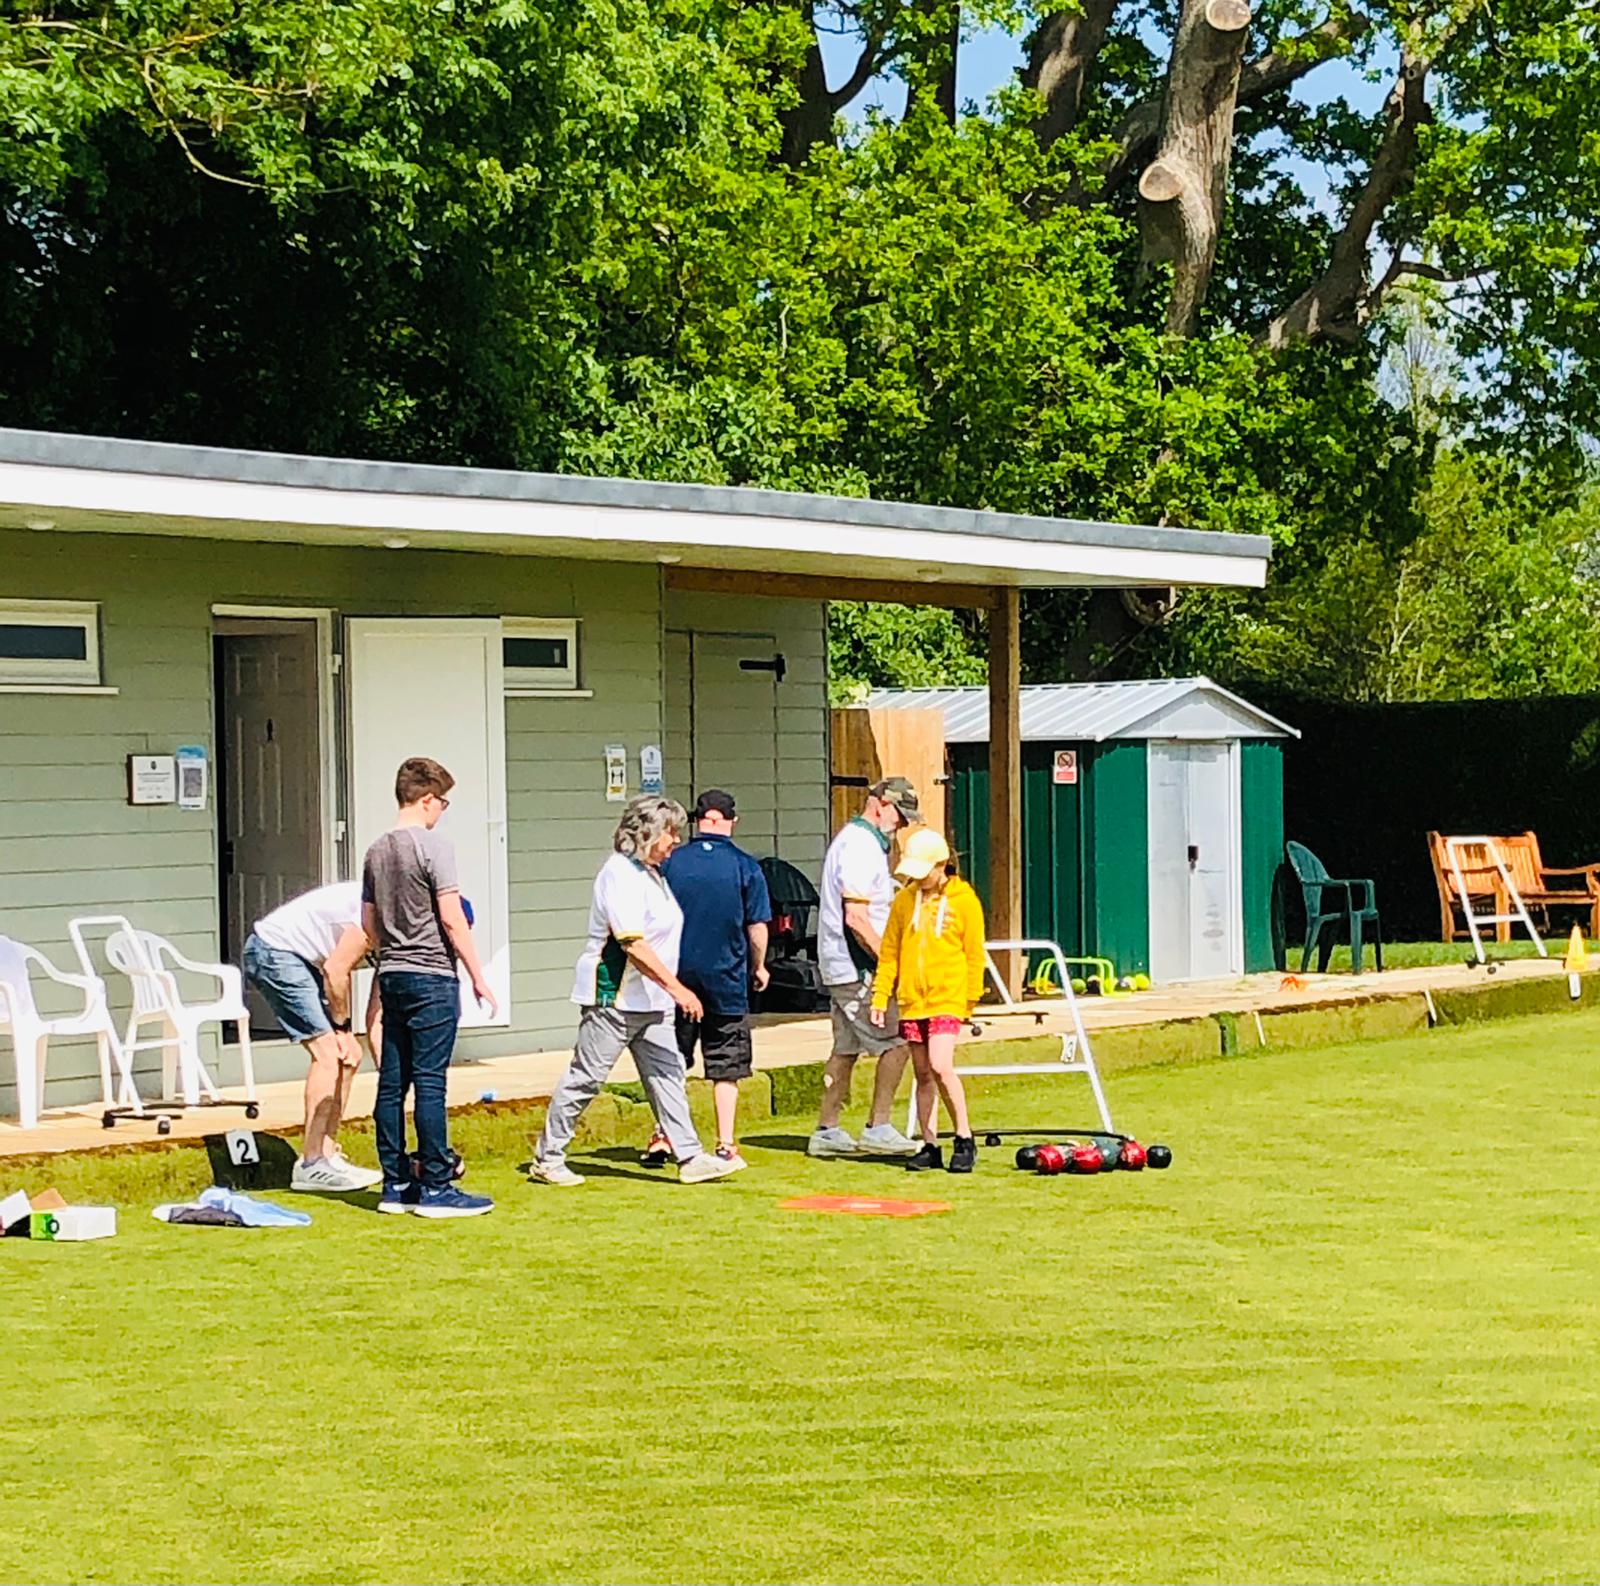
column 781, row 1041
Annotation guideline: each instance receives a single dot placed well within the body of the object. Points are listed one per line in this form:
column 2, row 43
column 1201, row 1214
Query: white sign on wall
column 152, row 779
column 650, row 779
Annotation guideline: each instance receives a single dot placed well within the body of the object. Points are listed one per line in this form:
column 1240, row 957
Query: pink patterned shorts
column 918, row 1030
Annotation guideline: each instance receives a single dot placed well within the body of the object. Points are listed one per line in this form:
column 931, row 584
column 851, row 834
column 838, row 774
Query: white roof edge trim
column 1200, row 684
column 44, row 486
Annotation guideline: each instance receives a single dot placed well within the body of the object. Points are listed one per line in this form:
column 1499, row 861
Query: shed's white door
column 734, row 728
column 435, row 687
column 1195, row 914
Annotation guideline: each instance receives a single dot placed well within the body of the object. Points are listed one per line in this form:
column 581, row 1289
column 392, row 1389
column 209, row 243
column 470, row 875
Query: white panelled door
column 1196, row 914
column 435, row 686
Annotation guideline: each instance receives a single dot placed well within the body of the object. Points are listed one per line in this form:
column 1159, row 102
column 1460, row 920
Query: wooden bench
column 1530, row 875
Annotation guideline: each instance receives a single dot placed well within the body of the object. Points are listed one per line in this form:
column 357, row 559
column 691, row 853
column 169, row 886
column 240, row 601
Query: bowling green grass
column 1352, row 1335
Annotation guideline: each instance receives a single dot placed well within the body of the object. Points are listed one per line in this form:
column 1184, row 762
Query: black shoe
column 964, row 1157
column 928, row 1158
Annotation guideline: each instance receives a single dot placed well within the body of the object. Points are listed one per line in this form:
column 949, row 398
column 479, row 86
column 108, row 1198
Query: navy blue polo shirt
column 721, row 890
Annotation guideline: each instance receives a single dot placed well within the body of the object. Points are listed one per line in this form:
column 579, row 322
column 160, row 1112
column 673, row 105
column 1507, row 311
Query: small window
column 50, row 642
column 540, row 653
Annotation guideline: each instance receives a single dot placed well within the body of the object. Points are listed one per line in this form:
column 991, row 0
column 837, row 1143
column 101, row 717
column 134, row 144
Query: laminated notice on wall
column 192, row 777
column 616, row 773
column 650, row 769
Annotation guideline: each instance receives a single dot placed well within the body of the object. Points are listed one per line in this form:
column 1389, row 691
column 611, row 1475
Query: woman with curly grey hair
column 627, row 986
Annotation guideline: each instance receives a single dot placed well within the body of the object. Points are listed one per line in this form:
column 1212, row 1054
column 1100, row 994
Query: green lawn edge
column 125, row 1172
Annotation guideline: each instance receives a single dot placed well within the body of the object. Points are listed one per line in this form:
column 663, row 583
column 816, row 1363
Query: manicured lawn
column 1351, row 1335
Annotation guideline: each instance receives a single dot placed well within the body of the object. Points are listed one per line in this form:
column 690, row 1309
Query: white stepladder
column 1075, row 1057
column 1475, row 848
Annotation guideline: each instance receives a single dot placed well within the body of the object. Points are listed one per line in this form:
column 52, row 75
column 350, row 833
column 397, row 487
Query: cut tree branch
column 1183, row 191
column 1277, row 68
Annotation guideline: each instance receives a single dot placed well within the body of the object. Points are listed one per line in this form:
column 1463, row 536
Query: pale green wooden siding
column 70, row 844
column 799, row 629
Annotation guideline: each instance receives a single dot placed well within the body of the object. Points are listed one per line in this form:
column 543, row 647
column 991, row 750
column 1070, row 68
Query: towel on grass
column 225, row 1208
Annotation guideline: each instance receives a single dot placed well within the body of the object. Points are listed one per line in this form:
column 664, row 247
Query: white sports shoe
column 370, row 1177
column 330, row 1175
column 832, row 1142
column 883, row 1139
column 704, row 1168
column 555, row 1173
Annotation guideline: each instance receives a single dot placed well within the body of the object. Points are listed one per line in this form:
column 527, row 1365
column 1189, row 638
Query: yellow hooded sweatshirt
column 932, row 956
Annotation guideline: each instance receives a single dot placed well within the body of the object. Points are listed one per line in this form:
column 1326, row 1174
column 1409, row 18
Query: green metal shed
column 1152, row 818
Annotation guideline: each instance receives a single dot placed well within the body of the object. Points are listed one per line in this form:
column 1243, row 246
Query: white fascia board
column 242, row 509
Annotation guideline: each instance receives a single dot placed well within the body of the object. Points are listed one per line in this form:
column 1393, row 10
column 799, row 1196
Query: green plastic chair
column 1331, row 901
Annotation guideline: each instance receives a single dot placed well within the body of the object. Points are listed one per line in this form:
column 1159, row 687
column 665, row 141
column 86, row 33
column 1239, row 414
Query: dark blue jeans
column 420, row 1014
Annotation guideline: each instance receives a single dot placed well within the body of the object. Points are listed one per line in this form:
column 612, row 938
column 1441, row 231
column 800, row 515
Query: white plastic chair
column 148, row 961
column 31, row 1031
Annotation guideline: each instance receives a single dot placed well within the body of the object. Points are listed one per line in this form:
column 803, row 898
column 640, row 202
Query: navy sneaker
column 399, row 1198
column 451, row 1202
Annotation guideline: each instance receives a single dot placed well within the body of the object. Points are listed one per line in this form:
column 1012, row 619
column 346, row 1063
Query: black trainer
column 964, row 1155
column 928, row 1158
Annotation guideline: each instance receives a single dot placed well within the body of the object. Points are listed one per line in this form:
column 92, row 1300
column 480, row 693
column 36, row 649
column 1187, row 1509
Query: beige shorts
column 854, row 1033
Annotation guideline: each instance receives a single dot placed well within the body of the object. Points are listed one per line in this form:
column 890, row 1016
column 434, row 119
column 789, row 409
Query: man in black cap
column 723, row 895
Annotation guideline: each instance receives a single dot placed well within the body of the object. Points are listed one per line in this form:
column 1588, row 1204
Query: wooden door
column 869, row 745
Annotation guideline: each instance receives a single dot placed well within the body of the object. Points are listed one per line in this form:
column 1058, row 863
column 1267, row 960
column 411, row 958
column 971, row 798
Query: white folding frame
column 1519, row 913
column 1075, row 1057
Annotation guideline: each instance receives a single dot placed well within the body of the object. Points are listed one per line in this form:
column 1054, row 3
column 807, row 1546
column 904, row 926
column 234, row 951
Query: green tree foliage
column 1496, row 596
column 885, row 646
column 633, row 238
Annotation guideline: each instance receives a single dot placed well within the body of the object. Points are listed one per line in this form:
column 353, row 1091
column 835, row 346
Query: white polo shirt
column 856, row 870
column 631, row 903
column 311, row 924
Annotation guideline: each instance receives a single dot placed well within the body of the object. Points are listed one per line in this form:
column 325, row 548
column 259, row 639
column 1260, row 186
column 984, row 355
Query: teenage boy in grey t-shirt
column 411, row 907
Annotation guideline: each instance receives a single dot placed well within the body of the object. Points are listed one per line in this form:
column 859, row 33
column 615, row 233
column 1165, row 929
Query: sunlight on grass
column 1349, row 1336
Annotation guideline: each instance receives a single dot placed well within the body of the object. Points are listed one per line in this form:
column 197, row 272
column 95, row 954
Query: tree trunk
column 809, row 122
column 1061, row 54
column 1183, row 190
column 1278, row 68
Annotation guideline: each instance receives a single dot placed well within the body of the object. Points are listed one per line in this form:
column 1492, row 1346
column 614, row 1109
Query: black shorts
column 724, row 1043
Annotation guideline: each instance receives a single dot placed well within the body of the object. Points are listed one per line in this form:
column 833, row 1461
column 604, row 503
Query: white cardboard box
column 74, row 1222
column 14, row 1209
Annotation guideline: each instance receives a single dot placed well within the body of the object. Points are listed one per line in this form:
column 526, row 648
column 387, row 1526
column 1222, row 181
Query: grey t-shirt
column 402, row 876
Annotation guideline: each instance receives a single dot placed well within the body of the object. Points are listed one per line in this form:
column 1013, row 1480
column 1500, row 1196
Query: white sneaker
column 704, row 1168
column 330, row 1175
column 832, row 1142
column 883, row 1139
column 555, row 1173
column 370, row 1177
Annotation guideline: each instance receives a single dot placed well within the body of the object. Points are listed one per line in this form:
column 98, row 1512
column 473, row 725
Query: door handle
column 1194, row 855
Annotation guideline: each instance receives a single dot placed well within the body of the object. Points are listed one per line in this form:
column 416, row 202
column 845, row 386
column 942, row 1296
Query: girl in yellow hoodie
column 932, row 960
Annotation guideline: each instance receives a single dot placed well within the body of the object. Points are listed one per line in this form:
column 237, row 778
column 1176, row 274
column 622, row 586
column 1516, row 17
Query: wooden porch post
column 1005, row 780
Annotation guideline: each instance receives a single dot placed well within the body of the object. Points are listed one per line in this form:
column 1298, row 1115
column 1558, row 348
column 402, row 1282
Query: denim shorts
column 291, row 987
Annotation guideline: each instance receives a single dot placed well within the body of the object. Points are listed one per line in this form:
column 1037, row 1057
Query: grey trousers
column 603, row 1035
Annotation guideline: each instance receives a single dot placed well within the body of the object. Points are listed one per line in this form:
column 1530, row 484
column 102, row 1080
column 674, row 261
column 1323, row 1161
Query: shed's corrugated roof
column 1088, row 712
